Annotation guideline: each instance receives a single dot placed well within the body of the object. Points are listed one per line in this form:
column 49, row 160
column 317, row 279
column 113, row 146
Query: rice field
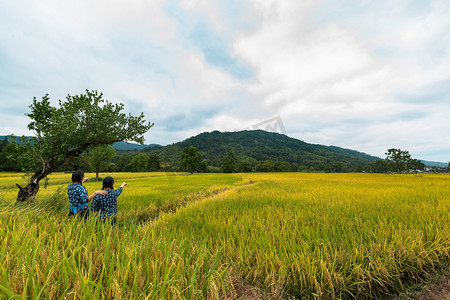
column 235, row 236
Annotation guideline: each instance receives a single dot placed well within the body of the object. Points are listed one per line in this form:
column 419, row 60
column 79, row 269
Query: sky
column 364, row 75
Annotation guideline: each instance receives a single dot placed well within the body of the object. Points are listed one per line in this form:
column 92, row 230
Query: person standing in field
column 106, row 204
column 78, row 195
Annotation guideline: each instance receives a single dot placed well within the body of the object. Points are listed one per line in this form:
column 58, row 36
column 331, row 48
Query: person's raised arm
column 124, row 184
column 99, row 192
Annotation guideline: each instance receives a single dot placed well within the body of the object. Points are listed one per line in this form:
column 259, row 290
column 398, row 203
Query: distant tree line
column 107, row 159
column 398, row 161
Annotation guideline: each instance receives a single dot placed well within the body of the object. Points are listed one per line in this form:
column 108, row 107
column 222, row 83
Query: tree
column 265, row 166
column 229, row 162
column 191, row 159
column 80, row 162
column 6, row 149
column 139, row 163
column 398, row 159
column 379, row 166
column 154, row 163
column 359, row 168
column 100, row 158
column 3, row 143
column 122, row 162
column 245, row 166
column 61, row 133
column 416, row 165
column 281, row 166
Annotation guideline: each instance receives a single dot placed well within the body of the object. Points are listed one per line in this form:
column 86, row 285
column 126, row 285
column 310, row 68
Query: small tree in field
column 398, row 159
column 100, row 158
column 229, row 163
column 416, row 165
column 191, row 159
column 61, row 133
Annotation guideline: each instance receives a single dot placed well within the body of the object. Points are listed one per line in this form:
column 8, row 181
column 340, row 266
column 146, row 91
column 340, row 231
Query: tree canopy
column 229, row 162
column 398, row 159
column 100, row 158
column 191, row 159
column 65, row 131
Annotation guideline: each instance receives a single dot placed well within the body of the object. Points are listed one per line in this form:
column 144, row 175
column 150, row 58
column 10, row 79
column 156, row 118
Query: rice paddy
column 217, row 236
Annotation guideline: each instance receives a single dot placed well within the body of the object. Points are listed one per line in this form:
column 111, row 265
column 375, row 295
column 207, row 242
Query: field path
column 171, row 207
column 435, row 291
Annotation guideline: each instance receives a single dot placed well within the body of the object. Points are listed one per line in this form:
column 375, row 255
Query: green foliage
column 191, row 159
column 416, row 165
column 153, row 162
column 245, row 166
column 3, row 143
column 122, row 162
column 139, row 163
column 80, row 162
column 55, row 202
column 281, row 166
column 379, row 166
column 78, row 123
column 20, row 154
column 256, row 146
column 398, row 159
column 9, row 160
column 229, row 163
column 212, row 169
column 265, row 166
column 100, row 157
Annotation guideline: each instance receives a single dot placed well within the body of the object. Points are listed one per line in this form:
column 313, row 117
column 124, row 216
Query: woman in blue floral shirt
column 106, row 205
column 78, row 195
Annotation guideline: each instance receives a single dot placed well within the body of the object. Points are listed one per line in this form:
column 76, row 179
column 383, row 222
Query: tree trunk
column 96, row 174
column 27, row 193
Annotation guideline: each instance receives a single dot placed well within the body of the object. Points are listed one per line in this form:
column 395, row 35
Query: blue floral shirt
column 78, row 196
column 106, row 204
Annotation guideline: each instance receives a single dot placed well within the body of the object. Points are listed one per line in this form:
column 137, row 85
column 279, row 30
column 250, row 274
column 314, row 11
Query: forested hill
column 259, row 145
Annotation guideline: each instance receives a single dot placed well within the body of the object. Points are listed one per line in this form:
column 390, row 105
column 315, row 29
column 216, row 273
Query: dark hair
column 108, row 182
column 78, row 176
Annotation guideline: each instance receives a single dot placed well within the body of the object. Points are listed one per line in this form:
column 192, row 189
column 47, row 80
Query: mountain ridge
column 259, row 145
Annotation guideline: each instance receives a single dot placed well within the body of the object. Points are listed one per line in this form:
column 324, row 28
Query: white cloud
column 365, row 75
column 330, row 73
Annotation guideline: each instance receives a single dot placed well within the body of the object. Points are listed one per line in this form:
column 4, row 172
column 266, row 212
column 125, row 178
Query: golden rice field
column 235, row 236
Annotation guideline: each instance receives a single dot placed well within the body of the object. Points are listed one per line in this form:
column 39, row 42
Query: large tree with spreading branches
column 398, row 159
column 63, row 132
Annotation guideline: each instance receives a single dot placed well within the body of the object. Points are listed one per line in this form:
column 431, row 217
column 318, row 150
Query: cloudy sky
column 365, row 75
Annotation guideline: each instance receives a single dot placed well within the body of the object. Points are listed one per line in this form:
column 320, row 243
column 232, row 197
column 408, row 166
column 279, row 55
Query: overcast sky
column 360, row 74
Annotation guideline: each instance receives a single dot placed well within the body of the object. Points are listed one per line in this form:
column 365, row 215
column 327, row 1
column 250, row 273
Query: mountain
column 434, row 164
column 259, row 145
column 123, row 146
